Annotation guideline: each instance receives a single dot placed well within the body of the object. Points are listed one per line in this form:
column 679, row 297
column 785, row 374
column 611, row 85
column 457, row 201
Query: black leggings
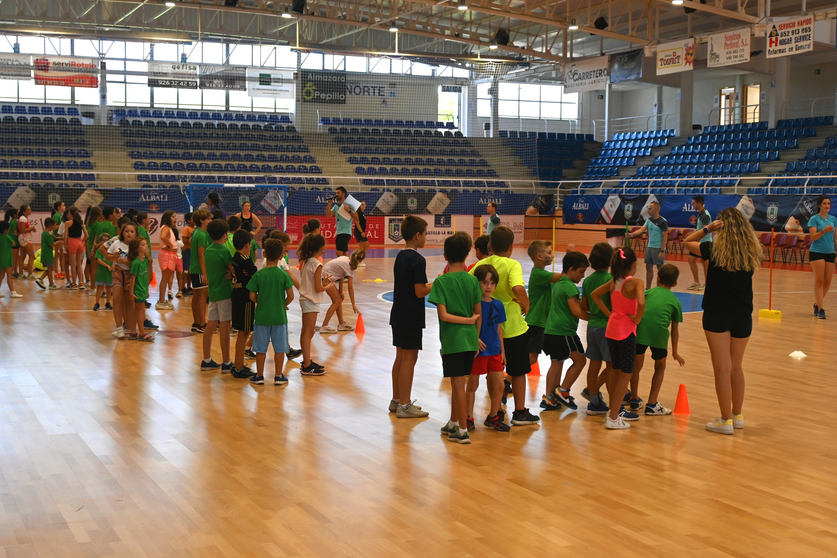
column 622, row 353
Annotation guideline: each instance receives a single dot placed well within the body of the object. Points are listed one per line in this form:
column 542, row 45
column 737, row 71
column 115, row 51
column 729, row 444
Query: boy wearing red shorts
column 492, row 356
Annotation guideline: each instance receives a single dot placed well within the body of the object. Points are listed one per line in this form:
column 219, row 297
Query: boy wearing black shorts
column 662, row 310
column 540, row 291
column 561, row 339
column 407, row 315
column 243, row 309
column 511, row 291
column 457, row 296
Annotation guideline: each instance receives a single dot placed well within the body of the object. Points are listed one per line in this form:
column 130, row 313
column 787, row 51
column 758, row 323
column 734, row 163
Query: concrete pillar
column 658, row 100
column 779, row 93
column 608, row 129
column 687, row 95
column 495, row 108
column 738, row 113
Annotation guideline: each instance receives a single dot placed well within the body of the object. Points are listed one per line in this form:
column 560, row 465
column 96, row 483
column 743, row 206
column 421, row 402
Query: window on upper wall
column 84, row 47
column 529, row 100
column 241, row 55
column 84, row 96
column 356, row 64
column 165, row 52
column 312, row 61
column 213, row 53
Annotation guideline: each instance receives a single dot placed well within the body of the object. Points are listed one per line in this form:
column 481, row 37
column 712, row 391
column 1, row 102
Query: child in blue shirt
column 492, row 356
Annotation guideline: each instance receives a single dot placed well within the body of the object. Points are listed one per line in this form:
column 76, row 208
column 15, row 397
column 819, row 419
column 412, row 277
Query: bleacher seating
column 201, row 116
column 382, row 123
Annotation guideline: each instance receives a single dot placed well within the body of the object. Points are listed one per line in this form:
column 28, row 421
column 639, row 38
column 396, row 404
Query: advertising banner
column 66, row 72
column 586, row 75
column 274, row 84
column 374, row 228
column 626, row 66
column 15, row 66
column 322, row 87
column 439, row 227
column 728, row 48
column 514, row 222
column 790, row 36
column 677, row 56
column 788, row 214
column 227, row 78
column 173, row 74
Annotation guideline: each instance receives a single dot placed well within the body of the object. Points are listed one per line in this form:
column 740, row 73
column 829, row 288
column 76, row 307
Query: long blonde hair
column 735, row 247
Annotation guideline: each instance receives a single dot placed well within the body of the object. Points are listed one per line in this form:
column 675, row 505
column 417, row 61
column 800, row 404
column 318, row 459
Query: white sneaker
column 410, row 411
column 119, row 333
column 656, row 410
column 693, row 287
column 618, row 424
column 345, row 327
column 325, row 330
column 701, row 287
column 15, row 294
column 91, row 292
column 738, row 422
column 720, row 426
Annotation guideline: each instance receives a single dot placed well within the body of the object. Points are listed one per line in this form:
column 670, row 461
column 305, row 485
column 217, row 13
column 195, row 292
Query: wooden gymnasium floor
column 125, row 449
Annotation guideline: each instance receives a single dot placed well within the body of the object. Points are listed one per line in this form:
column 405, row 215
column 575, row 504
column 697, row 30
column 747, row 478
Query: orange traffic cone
column 359, row 326
column 153, row 282
column 535, row 370
column 681, row 406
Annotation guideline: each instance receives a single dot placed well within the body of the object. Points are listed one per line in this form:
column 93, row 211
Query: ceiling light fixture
column 462, row 5
column 492, row 46
column 573, row 25
column 393, row 29
column 286, row 15
column 677, row 2
column 170, row 4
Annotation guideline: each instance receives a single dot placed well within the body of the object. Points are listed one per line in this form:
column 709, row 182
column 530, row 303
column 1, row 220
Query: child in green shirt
column 138, row 286
column 48, row 246
column 104, row 273
column 217, row 260
column 457, row 296
column 7, row 258
column 197, row 269
column 597, row 349
column 662, row 310
column 560, row 335
column 271, row 289
column 540, row 294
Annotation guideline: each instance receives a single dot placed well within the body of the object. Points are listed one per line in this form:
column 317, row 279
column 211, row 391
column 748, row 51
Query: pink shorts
column 179, row 267
column 75, row 246
column 168, row 260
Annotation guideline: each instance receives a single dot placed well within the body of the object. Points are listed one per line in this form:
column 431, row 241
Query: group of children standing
column 488, row 321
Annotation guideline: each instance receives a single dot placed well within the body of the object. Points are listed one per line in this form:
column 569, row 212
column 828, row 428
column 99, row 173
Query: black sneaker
column 243, row 372
column 108, row 306
column 821, row 314
column 293, row 354
column 257, row 380
column 816, row 310
column 280, row 380
column 549, row 404
column 311, row 370
column 197, row 328
column 507, row 390
column 211, row 365
column 627, row 397
column 317, row 365
column 148, row 324
column 523, row 417
column 249, row 354
column 147, row 306
column 471, row 425
column 227, row 368
column 96, row 307
column 568, row 401
column 40, row 283
column 497, row 424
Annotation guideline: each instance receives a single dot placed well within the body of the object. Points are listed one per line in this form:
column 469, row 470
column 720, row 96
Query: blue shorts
column 104, row 283
column 186, row 256
column 263, row 336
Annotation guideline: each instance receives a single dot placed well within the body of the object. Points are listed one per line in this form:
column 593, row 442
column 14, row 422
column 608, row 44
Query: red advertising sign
column 374, row 228
column 66, row 72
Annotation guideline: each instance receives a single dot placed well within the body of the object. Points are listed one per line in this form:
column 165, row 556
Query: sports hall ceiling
column 537, row 29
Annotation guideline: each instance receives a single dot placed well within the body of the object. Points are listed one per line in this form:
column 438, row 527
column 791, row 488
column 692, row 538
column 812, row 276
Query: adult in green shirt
column 344, row 225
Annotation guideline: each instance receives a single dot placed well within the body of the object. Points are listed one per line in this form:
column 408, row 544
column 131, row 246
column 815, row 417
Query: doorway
column 726, row 113
column 450, row 102
column 752, row 97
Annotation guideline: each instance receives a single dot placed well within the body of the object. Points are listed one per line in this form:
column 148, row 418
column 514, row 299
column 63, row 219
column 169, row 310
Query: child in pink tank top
column 627, row 297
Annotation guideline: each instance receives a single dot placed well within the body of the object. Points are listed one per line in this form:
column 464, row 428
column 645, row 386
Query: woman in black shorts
column 733, row 255
column 360, row 229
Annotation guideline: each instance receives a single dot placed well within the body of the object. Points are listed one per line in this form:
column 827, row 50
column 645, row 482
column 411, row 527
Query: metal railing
column 440, row 117
column 577, row 126
column 741, row 185
column 819, row 106
column 627, row 124
column 739, row 114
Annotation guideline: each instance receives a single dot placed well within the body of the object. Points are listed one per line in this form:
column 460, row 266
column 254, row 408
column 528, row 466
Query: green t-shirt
column 103, row 274
column 47, row 254
column 13, row 234
column 93, row 234
column 561, row 320
column 6, row 244
column 540, row 287
column 107, row 227
column 511, row 275
column 229, row 245
column 199, row 238
column 57, row 218
column 661, row 308
column 596, row 280
column 139, row 269
column 144, row 233
column 218, row 260
column 459, row 292
column 270, row 284
column 254, row 247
